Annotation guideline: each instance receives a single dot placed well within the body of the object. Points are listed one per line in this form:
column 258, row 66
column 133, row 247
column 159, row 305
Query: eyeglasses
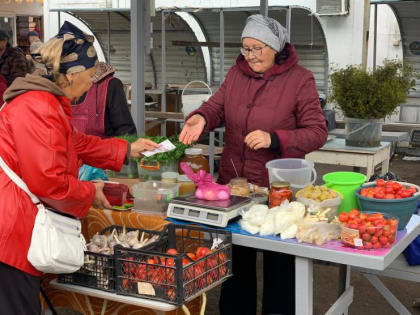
column 256, row 51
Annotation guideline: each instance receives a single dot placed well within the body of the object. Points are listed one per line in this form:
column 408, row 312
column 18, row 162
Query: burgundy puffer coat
column 283, row 100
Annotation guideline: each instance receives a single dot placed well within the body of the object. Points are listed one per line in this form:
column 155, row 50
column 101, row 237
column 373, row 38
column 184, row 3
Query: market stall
column 317, row 226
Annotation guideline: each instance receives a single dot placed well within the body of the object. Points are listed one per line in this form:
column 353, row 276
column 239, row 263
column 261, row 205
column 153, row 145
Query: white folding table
column 306, row 253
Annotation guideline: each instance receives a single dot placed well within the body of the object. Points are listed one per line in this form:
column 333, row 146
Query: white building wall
column 33, row 9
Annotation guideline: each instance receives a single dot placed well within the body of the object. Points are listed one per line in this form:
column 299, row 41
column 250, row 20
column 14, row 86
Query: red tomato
column 383, row 240
column 374, row 239
column 353, row 226
column 372, row 217
column 366, row 237
column 362, row 229
column 396, row 186
column 172, row 251
column 343, row 217
column 202, row 251
column 169, row 262
column 406, row 194
column 387, row 245
column 377, row 245
column 368, row 245
column 371, row 230
column 192, row 256
column 389, row 190
column 370, row 195
column 363, row 216
column 391, row 239
column 380, row 195
column 364, row 192
column 392, row 222
column 380, row 182
column 386, row 232
column 389, row 196
column 354, row 213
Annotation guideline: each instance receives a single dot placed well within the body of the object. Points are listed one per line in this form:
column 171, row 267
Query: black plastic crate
column 154, row 274
column 98, row 272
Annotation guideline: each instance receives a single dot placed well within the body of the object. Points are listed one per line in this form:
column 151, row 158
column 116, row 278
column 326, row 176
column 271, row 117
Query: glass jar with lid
column 279, row 192
column 169, row 177
column 195, row 159
column 186, row 185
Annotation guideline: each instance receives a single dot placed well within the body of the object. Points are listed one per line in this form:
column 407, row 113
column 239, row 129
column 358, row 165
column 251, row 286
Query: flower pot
column 363, row 132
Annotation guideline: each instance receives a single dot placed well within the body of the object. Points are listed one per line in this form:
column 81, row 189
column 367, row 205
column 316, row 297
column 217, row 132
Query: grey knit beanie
column 266, row 30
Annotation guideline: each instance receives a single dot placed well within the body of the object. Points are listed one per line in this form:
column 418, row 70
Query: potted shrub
column 367, row 97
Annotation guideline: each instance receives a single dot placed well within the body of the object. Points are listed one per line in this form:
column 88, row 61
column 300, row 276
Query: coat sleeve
column 311, row 130
column 102, row 153
column 45, row 158
column 213, row 110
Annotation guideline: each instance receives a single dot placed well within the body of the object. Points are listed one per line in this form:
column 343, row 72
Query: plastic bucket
column 297, row 172
column 400, row 208
column 345, row 183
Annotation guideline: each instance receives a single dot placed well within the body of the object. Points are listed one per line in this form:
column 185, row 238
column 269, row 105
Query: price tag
column 358, row 242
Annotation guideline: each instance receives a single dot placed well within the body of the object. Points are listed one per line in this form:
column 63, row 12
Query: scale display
column 217, row 213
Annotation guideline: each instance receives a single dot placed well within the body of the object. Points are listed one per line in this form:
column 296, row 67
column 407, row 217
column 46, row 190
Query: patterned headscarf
column 78, row 53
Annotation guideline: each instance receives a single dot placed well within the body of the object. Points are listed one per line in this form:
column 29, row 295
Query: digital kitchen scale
column 216, row 213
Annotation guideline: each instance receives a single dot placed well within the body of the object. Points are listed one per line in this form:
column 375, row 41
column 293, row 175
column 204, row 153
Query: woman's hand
column 142, row 145
column 192, row 129
column 258, row 139
column 100, row 200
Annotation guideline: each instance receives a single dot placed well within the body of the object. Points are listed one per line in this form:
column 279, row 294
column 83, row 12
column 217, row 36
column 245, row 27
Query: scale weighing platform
column 212, row 212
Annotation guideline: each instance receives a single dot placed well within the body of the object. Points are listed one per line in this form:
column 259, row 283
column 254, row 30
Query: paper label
column 358, row 242
column 349, row 235
column 164, row 146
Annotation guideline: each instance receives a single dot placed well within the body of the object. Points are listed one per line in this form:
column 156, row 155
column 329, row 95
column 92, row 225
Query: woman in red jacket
column 271, row 110
column 38, row 143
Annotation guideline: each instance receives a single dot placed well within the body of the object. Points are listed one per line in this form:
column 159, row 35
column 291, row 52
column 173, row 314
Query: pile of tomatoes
column 374, row 231
column 200, row 269
column 388, row 190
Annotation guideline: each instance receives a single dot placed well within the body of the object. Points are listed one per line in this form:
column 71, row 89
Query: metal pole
column 375, row 35
column 222, row 47
column 109, row 37
column 163, row 96
column 137, row 63
column 365, row 39
column 289, row 21
column 59, row 21
column 264, row 7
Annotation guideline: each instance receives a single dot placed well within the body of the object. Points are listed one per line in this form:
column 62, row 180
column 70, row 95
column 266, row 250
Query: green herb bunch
column 166, row 157
column 371, row 94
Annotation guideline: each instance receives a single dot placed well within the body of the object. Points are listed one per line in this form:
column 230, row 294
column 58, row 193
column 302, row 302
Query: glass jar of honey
column 186, row 185
column 195, row 159
column 279, row 192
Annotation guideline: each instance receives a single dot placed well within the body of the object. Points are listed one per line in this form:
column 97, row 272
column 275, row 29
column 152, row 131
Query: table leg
column 370, row 167
column 304, row 286
column 343, row 280
column 211, row 152
column 385, row 166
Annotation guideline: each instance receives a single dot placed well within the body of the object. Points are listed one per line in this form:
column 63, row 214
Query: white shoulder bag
column 57, row 244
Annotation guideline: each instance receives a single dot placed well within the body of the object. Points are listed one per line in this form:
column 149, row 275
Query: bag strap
column 17, row 180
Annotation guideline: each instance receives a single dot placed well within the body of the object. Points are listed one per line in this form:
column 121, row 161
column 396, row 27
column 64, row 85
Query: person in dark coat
column 13, row 62
column 271, row 110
